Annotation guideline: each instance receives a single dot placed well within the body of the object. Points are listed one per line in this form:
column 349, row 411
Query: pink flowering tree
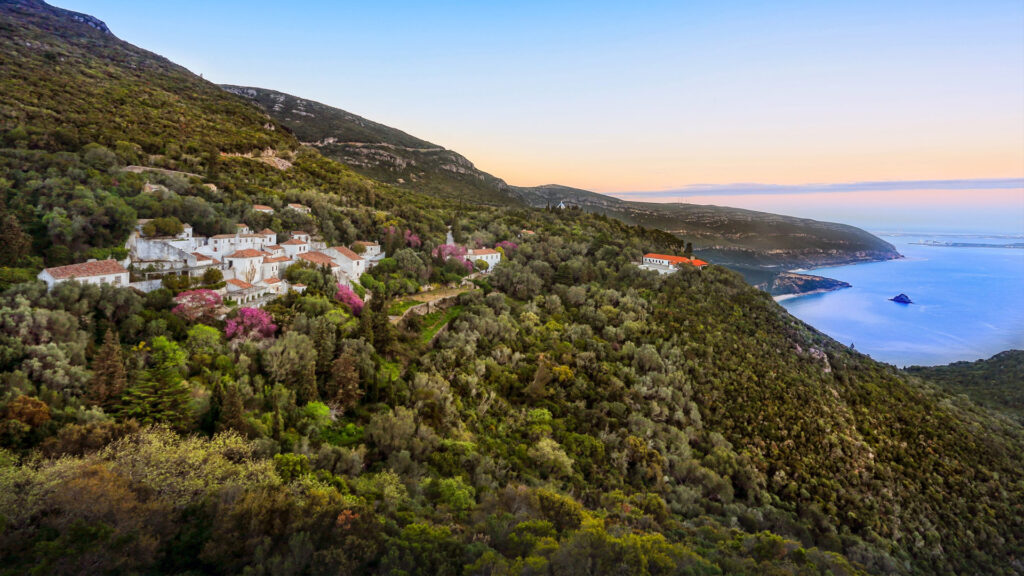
column 507, row 247
column 349, row 298
column 412, row 240
column 197, row 304
column 250, row 323
column 446, row 251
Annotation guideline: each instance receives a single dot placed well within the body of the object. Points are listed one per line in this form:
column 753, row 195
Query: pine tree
column 109, row 376
column 161, row 394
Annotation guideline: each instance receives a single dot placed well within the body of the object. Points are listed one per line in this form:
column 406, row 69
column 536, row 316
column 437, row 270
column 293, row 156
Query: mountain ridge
column 750, row 241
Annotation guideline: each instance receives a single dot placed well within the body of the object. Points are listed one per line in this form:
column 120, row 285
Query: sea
column 968, row 302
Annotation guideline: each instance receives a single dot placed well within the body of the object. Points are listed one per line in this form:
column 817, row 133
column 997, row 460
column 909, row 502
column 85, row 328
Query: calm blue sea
column 968, row 302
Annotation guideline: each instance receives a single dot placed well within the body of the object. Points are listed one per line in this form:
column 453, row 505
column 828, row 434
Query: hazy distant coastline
column 1016, row 245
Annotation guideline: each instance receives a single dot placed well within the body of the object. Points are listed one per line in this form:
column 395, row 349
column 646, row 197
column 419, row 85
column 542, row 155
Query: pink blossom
column 251, row 323
column 348, row 297
column 412, row 240
column 446, row 251
column 507, row 246
column 196, row 304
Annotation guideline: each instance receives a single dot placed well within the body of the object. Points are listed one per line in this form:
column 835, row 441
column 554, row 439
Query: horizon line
column 751, row 188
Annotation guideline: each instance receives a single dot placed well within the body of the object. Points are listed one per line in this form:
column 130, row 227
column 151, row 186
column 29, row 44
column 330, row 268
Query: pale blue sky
column 641, row 95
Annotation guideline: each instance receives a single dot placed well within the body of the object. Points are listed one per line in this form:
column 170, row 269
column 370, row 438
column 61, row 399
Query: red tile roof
column 201, row 256
column 299, row 232
column 273, row 247
column 261, row 207
column 87, row 269
column 271, row 280
column 275, row 259
column 266, row 231
column 677, row 259
column 347, row 253
column 482, row 252
column 318, row 258
column 239, row 283
column 293, row 242
column 223, row 236
column 670, row 259
column 247, row 253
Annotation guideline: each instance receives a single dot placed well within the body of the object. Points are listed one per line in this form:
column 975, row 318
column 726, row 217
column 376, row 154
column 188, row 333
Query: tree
column 195, row 305
column 688, row 251
column 250, row 323
column 349, row 298
column 109, row 377
column 212, row 276
column 161, row 394
column 343, row 390
column 169, row 226
column 292, row 362
column 16, row 243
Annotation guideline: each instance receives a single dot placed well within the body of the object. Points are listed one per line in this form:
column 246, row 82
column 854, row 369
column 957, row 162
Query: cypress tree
column 109, row 376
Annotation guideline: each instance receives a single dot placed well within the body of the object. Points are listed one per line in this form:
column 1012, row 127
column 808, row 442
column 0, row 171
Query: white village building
column 488, row 255
column 91, row 272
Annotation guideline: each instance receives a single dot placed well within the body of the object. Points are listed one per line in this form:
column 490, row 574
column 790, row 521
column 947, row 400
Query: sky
column 652, row 97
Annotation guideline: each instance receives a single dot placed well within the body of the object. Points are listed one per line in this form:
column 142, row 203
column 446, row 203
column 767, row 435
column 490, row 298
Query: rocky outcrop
column 791, row 284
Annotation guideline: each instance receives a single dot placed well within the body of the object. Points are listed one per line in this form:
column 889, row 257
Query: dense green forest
column 997, row 382
column 567, row 413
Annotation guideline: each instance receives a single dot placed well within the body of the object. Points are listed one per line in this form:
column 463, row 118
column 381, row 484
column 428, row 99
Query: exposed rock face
column 39, row 6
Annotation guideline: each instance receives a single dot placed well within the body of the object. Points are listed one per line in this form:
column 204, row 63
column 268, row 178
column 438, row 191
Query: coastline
column 784, row 297
column 819, row 284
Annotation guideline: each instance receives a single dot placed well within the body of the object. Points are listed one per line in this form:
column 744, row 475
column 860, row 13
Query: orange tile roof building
column 668, row 263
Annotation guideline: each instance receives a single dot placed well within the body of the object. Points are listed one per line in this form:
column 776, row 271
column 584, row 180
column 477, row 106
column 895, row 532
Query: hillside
column 997, row 383
column 567, row 413
column 378, row 151
column 742, row 239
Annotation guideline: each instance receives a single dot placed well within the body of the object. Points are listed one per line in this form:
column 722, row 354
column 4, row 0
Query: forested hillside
column 997, row 382
column 567, row 413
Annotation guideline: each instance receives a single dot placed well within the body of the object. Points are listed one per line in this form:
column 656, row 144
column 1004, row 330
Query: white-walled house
column 370, row 249
column 321, row 259
column 488, row 255
column 353, row 264
column 371, row 252
column 299, row 208
column 245, row 265
column 91, row 272
column 262, row 208
column 294, row 247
